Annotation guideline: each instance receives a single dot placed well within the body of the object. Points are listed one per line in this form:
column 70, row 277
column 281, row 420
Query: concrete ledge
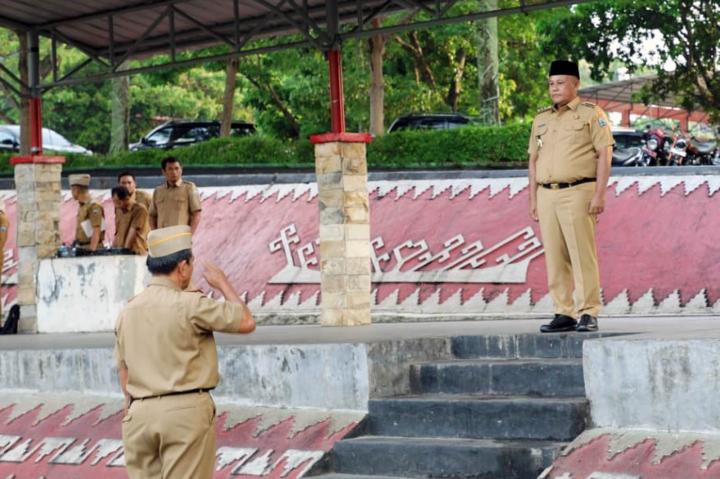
column 86, row 294
column 654, row 406
column 337, row 376
column 655, row 382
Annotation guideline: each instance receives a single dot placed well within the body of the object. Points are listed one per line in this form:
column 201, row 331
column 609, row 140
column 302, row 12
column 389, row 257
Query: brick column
column 341, row 167
column 39, row 195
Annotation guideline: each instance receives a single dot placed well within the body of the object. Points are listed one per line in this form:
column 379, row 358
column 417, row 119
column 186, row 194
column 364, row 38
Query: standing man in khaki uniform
column 90, row 222
column 167, row 362
column 127, row 179
column 569, row 167
column 177, row 201
column 131, row 222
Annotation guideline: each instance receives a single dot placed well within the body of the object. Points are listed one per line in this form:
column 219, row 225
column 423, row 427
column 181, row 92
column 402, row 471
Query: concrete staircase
column 502, row 408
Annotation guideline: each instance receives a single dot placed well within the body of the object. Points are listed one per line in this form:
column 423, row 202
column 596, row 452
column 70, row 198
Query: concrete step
column 556, row 345
column 467, row 416
column 443, row 457
column 538, row 377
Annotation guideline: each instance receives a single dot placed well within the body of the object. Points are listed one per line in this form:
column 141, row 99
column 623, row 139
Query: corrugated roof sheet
column 86, row 22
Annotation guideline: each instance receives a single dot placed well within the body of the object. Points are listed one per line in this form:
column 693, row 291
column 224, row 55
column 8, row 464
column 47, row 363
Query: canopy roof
column 112, row 31
column 624, row 91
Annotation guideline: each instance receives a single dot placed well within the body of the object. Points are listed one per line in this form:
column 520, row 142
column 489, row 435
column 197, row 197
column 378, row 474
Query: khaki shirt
column 567, row 140
column 173, row 205
column 89, row 211
column 164, row 337
column 125, row 221
column 142, row 198
column 4, row 222
column 4, row 227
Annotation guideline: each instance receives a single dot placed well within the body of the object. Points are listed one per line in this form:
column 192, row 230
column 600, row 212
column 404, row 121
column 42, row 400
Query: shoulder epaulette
column 542, row 110
column 587, row 103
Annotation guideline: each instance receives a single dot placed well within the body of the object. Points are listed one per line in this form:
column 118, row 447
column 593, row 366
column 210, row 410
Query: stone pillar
column 341, row 167
column 39, row 195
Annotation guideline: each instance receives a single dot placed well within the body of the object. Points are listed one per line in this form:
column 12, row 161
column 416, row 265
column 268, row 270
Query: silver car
column 52, row 141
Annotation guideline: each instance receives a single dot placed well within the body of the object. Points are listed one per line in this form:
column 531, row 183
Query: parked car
column 430, row 121
column 52, row 141
column 183, row 133
column 627, row 137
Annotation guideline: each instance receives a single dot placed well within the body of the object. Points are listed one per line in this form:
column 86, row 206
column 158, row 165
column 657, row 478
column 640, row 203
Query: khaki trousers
column 568, row 233
column 170, row 437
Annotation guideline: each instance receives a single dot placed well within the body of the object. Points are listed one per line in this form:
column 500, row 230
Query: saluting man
column 89, row 227
column 569, row 167
column 167, row 362
column 177, row 201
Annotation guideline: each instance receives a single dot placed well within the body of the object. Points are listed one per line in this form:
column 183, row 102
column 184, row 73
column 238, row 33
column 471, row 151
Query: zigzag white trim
column 647, row 304
column 398, row 189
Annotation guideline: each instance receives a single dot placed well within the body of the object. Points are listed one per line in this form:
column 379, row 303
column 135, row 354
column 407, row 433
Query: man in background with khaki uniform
column 131, row 222
column 127, row 179
column 90, row 221
column 569, row 167
column 177, row 201
column 167, row 362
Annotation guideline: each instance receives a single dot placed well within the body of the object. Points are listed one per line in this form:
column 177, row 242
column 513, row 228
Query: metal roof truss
column 174, row 26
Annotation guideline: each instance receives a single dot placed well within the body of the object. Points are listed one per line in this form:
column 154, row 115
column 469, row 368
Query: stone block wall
column 345, row 269
column 37, row 180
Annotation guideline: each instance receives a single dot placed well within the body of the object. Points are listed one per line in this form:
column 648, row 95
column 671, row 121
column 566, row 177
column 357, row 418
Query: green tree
column 679, row 39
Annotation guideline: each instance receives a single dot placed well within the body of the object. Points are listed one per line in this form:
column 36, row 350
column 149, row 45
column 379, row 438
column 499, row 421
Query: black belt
column 175, row 393
column 561, row 186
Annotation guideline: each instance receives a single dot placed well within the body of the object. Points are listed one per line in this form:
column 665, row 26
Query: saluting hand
column 597, row 205
column 214, row 276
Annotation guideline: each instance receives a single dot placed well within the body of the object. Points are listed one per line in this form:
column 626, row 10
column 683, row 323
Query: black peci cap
column 564, row 67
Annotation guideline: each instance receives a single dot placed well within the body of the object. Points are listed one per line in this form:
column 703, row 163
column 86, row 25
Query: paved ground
column 685, row 326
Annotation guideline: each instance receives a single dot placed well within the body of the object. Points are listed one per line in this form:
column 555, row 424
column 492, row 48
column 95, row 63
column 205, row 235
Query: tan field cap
column 79, row 180
column 166, row 241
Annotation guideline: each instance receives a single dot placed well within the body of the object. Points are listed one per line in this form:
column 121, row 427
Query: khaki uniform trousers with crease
column 170, row 437
column 568, row 233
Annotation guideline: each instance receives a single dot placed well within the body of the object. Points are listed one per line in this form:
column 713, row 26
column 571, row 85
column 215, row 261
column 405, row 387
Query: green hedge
column 470, row 147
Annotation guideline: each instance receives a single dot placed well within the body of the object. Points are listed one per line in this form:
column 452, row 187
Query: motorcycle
column 655, row 147
column 704, row 152
column 678, row 154
column 692, row 152
column 629, row 157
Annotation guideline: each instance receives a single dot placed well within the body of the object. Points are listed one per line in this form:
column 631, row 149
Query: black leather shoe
column 559, row 324
column 587, row 324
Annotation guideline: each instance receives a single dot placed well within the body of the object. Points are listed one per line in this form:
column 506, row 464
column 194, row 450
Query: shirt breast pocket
column 579, row 132
column 540, row 135
column 181, row 202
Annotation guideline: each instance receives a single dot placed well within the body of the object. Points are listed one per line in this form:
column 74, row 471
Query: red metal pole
column 337, row 98
column 36, row 145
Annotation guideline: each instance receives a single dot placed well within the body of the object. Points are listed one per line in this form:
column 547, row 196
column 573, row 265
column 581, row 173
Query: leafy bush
column 470, row 147
column 476, row 146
